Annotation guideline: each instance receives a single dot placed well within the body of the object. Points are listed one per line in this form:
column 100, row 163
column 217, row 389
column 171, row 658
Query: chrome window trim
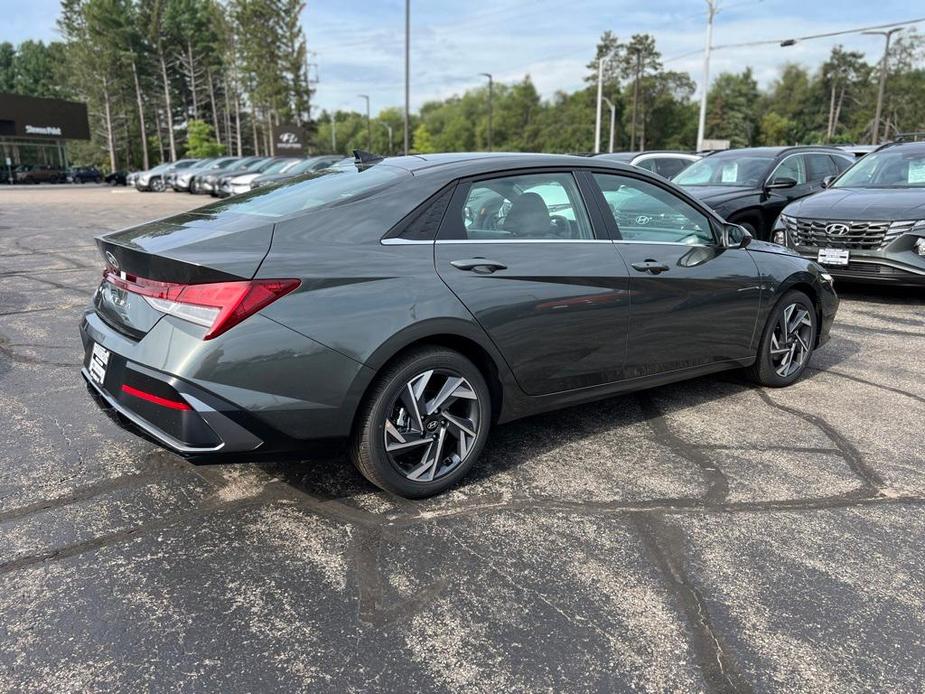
column 398, row 241
column 477, row 241
column 667, row 243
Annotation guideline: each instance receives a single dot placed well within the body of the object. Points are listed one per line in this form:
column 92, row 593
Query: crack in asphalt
column 873, row 384
column 871, row 480
column 665, row 545
column 718, row 485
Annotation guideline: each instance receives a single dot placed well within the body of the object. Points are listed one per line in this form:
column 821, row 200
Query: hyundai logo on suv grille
column 837, row 229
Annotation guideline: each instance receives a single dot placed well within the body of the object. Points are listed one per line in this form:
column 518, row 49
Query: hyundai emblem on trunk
column 111, row 259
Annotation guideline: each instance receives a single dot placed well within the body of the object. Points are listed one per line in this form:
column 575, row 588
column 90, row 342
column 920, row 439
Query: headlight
column 920, row 247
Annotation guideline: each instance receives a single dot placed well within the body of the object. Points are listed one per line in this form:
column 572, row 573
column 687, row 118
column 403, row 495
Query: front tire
column 423, row 424
column 787, row 342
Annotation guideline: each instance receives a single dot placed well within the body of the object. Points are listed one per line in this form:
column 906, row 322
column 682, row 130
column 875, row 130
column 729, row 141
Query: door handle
column 652, row 266
column 482, row 266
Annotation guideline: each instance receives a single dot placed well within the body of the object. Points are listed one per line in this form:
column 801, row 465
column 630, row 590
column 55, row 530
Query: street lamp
column 613, row 121
column 875, row 130
column 407, row 70
column 702, row 119
column 490, row 84
column 389, row 128
column 369, row 127
column 600, row 96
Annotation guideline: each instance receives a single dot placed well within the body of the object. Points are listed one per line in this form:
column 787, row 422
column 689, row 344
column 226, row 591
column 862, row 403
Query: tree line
column 164, row 78
column 157, row 74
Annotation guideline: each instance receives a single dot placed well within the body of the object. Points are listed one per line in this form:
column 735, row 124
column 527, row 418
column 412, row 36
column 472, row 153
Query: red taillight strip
column 156, row 399
column 234, row 300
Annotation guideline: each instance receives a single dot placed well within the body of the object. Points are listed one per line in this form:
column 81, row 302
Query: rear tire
column 787, row 342
column 423, row 424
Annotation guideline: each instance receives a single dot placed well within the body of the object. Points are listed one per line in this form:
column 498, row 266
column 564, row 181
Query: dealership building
column 34, row 130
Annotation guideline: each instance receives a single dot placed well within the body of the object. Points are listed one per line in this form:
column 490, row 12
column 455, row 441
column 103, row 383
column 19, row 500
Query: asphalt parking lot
column 705, row 536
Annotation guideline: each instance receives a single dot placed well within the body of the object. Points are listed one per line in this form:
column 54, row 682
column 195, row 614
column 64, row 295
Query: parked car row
column 225, row 176
column 857, row 210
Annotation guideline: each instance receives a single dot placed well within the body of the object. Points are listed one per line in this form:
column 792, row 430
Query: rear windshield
column 312, row 191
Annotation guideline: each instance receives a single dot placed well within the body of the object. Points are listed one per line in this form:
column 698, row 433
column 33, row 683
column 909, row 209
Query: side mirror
column 827, row 181
column 735, row 236
column 781, row 182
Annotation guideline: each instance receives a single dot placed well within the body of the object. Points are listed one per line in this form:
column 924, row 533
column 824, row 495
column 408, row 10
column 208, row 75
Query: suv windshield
column 890, row 168
column 726, row 170
column 322, row 188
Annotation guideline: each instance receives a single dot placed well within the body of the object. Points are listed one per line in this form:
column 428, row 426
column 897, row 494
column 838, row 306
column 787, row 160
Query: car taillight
column 217, row 306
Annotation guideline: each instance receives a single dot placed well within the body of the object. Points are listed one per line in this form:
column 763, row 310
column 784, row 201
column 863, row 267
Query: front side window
column 646, row 212
column 793, row 167
column 530, row 206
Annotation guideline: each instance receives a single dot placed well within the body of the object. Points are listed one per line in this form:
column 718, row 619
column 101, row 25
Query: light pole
column 884, row 63
column 613, row 121
column 369, row 127
column 333, row 133
column 600, row 96
column 490, row 85
column 389, row 128
column 702, row 121
column 407, row 70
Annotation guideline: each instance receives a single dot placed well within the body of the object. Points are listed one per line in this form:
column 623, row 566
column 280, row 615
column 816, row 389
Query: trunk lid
column 191, row 248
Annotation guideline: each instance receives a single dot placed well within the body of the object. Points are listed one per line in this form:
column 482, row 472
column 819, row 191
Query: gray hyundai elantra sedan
column 405, row 306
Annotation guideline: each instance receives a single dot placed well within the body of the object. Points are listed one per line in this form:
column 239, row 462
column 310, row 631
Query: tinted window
column 793, row 167
column 820, row 166
column 843, row 163
column 532, row 206
column 671, row 167
column 726, row 170
column 646, row 212
column 649, row 165
column 323, row 188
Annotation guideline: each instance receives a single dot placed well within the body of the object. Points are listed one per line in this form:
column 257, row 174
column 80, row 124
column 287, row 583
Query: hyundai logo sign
column 837, row 229
column 289, row 139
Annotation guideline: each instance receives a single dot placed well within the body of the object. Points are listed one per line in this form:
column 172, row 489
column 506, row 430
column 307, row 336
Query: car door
column 521, row 253
column 692, row 301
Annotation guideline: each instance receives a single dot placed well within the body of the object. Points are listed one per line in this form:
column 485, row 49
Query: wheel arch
column 454, row 334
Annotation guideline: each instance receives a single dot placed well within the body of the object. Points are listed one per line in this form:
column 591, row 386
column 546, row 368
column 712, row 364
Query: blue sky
column 360, row 45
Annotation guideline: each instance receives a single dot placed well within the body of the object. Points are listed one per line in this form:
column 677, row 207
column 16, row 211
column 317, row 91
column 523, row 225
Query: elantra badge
column 837, row 229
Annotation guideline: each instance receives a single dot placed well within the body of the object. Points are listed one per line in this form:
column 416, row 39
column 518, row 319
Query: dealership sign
column 34, row 117
column 289, row 139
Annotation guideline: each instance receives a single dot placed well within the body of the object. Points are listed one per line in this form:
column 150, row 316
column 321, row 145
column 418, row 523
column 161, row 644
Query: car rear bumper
column 257, row 389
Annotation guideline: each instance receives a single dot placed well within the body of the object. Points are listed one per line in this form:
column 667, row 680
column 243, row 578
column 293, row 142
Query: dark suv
column 752, row 186
column 38, row 173
column 869, row 224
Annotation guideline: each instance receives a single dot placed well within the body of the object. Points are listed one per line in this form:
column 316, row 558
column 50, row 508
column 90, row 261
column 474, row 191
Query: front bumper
column 879, row 267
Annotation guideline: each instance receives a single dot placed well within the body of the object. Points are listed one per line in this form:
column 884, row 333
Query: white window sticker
column 916, row 171
column 730, row 173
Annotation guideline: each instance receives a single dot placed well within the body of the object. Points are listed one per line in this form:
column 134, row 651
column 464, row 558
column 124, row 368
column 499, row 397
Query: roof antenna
column 364, row 159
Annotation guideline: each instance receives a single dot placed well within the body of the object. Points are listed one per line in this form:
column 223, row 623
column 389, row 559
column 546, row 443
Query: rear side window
column 820, row 166
column 671, row 167
column 843, row 163
column 322, row 188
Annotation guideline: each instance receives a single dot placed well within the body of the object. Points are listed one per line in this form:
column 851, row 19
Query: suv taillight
column 217, row 306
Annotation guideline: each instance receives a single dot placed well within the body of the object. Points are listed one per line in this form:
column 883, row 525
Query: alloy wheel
column 791, row 340
column 431, row 425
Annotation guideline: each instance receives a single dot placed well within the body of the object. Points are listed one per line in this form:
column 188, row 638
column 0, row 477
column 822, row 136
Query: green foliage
column 200, row 140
